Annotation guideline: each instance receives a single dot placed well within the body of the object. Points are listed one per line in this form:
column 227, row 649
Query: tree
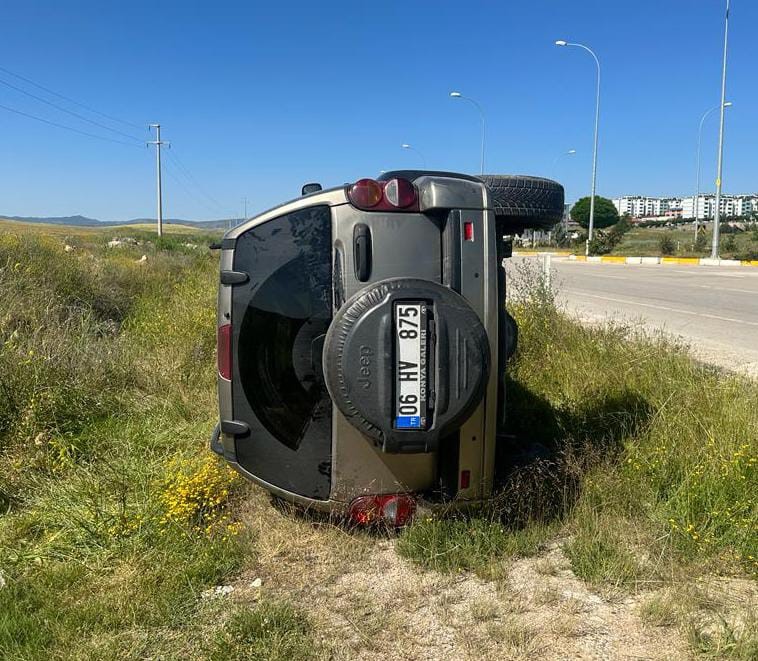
column 605, row 213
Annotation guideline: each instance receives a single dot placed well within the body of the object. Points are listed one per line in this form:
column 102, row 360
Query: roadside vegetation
column 680, row 241
column 646, row 469
column 113, row 516
column 123, row 537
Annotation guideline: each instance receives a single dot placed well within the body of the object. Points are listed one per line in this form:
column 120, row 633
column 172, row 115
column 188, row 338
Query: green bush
column 666, row 245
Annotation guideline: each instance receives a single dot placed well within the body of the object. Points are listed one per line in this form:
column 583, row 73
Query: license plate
column 410, row 365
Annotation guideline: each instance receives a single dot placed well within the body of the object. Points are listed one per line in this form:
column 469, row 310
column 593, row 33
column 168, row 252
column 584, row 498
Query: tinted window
column 282, row 332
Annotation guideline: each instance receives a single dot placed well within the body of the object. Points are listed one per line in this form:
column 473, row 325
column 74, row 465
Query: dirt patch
column 367, row 602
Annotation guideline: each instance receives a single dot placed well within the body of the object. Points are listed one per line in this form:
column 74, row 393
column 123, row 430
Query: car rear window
column 281, row 335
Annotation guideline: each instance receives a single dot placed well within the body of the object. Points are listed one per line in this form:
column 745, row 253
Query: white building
column 638, row 206
column 730, row 206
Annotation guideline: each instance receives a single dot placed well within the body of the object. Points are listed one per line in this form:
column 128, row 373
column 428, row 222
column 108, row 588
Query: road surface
column 714, row 309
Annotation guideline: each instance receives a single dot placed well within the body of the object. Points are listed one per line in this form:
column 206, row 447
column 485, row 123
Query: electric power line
column 70, row 100
column 68, row 128
column 66, row 110
column 196, row 198
column 191, row 178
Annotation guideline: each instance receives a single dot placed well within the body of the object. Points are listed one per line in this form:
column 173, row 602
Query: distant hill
column 84, row 221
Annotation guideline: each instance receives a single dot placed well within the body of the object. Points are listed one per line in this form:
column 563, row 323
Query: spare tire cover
column 359, row 362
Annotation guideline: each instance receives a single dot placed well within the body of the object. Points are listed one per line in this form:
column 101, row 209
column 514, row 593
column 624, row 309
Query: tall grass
column 113, row 514
column 646, row 458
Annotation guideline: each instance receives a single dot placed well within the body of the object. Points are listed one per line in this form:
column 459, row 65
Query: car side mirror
column 311, row 188
column 507, row 248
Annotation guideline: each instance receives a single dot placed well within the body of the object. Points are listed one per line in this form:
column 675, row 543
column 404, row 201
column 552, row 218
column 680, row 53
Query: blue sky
column 258, row 98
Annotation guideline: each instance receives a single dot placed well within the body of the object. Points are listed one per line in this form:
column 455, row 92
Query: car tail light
column 224, row 351
column 390, row 509
column 465, row 479
column 393, row 195
column 399, row 193
column 365, row 193
column 468, row 231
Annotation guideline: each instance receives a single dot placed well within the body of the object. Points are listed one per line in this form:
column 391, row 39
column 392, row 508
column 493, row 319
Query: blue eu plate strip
column 408, row 422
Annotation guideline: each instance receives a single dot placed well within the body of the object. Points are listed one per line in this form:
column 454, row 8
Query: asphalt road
column 714, row 309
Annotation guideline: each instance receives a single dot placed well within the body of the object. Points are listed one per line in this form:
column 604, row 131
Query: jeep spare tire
column 363, row 369
column 522, row 202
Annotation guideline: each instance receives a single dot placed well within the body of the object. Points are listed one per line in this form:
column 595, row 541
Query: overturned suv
column 362, row 340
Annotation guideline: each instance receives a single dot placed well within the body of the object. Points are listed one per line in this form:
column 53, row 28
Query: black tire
column 522, row 202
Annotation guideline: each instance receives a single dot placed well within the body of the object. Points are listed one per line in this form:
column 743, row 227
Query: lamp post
column 717, row 211
column 699, row 140
column 458, row 95
column 570, row 152
column 410, row 148
column 561, row 42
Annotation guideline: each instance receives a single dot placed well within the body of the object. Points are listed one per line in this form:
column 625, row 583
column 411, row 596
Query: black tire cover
column 359, row 362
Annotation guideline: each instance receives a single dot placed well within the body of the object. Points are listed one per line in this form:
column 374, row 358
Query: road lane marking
column 741, row 291
column 668, row 309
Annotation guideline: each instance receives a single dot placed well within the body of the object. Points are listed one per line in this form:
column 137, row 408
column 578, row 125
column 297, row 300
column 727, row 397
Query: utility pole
column 157, row 142
column 717, row 210
column 244, row 213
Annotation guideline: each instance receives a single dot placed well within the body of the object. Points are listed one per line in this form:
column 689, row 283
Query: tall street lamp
column 717, row 212
column 410, row 148
column 699, row 140
column 570, row 152
column 458, row 95
column 561, row 42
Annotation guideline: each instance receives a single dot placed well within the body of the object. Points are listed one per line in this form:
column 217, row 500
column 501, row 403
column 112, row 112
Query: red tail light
column 365, row 193
column 391, row 509
column 393, row 195
column 224, row 351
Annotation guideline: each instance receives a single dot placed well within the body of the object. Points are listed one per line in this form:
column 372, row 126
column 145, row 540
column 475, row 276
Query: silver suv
column 362, row 340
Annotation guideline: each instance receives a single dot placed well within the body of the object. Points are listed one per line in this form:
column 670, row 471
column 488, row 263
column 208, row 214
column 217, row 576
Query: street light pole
column 717, row 211
column 560, row 42
column 410, row 148
column 699, row 140
column 570, row 152
column 458, row 95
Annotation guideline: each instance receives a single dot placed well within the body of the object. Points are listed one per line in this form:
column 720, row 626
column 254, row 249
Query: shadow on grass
column 542, row 461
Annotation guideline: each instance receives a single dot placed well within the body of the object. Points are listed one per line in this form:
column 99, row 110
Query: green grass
column 653, row 469
column 646, row 241
column 115, row 517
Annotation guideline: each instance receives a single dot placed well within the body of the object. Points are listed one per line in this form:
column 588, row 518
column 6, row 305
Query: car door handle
column 362, row 251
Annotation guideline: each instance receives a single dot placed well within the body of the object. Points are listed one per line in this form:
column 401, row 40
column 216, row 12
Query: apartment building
column 638, row 206
column 730, row 206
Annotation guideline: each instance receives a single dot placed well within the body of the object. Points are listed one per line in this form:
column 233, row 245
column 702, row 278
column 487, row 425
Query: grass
column 653, row 459
column 115, row 515
column 646, row 241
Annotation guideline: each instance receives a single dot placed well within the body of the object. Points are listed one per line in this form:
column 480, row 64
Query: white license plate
column 410, row 365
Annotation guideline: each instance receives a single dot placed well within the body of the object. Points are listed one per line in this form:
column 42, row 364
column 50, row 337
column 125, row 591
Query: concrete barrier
column 693, row 261
column 621, row 259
